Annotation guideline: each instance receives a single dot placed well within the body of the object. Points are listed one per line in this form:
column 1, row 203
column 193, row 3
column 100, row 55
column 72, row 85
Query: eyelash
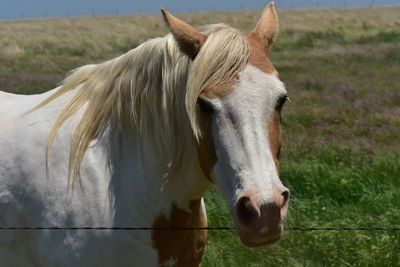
column 280, row 102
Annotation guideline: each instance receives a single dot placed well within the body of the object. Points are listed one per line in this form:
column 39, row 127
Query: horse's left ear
column 189, row 39
column 267, row 27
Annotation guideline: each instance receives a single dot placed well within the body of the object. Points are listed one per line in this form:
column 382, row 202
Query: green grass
column 341, row 156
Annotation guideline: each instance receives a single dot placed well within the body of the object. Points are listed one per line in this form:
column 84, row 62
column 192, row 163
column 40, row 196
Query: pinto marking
column 185, row 240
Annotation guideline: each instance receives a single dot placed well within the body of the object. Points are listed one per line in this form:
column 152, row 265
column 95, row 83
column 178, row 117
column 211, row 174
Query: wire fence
column 201, row 228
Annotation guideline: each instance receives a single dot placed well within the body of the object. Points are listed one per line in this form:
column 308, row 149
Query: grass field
column 341, row 156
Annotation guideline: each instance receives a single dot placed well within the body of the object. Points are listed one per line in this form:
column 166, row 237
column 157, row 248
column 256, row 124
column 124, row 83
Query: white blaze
column 241, row 137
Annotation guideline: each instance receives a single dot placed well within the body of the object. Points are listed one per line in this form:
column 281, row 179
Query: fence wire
column 201, row 228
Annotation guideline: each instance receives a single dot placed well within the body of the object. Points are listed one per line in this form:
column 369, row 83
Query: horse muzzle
column 260, row 222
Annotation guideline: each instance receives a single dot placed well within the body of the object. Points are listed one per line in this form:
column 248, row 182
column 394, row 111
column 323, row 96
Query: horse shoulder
column 181, row 247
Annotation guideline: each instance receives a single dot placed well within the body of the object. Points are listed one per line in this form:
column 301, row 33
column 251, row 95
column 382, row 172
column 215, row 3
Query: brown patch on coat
column 258, row 55
column 257, row 58
column 221, row 89
column 275, row 137
column 205, row 147
column 185, row 247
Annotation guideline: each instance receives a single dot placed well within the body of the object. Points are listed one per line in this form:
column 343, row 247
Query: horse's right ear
column 189, row 39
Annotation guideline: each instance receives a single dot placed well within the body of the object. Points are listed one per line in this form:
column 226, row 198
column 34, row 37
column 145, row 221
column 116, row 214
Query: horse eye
column 205, row 106
column 280, row 102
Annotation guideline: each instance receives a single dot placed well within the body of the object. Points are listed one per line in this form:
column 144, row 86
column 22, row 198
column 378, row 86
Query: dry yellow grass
column 101, row 33
column 35, row 54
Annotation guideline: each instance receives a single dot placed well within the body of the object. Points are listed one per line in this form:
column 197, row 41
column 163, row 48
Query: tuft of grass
column 310, row 39
column 381, row 37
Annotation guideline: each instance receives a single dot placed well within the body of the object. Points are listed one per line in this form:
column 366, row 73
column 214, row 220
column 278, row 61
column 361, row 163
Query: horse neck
column 141, row 193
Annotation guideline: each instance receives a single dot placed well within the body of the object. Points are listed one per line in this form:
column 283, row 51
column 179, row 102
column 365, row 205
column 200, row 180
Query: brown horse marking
column 184, row 247
column 206, row 148
column 258, row 55
column 258, row 58
column 275, row 137
column 221, row 90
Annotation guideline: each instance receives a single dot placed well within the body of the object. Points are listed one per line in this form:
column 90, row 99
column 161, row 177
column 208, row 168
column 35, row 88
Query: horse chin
column 268, row 241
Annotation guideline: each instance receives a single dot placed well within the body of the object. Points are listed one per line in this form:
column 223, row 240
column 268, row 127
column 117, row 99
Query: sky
column 17, row 9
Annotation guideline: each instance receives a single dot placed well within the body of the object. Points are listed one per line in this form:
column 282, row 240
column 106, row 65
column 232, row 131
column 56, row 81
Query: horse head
column 240, row 139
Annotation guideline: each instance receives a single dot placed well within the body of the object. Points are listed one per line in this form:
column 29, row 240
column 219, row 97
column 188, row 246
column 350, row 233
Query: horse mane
column 151, row 90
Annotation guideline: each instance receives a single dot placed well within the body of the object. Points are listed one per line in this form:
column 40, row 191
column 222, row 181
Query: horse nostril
column 285, row 195
column 247, row 212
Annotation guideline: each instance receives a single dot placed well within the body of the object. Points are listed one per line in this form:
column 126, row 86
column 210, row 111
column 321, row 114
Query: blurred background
column 13, row 9
column 340, row 63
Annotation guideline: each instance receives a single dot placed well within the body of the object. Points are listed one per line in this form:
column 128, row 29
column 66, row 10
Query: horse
column 136, row 141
